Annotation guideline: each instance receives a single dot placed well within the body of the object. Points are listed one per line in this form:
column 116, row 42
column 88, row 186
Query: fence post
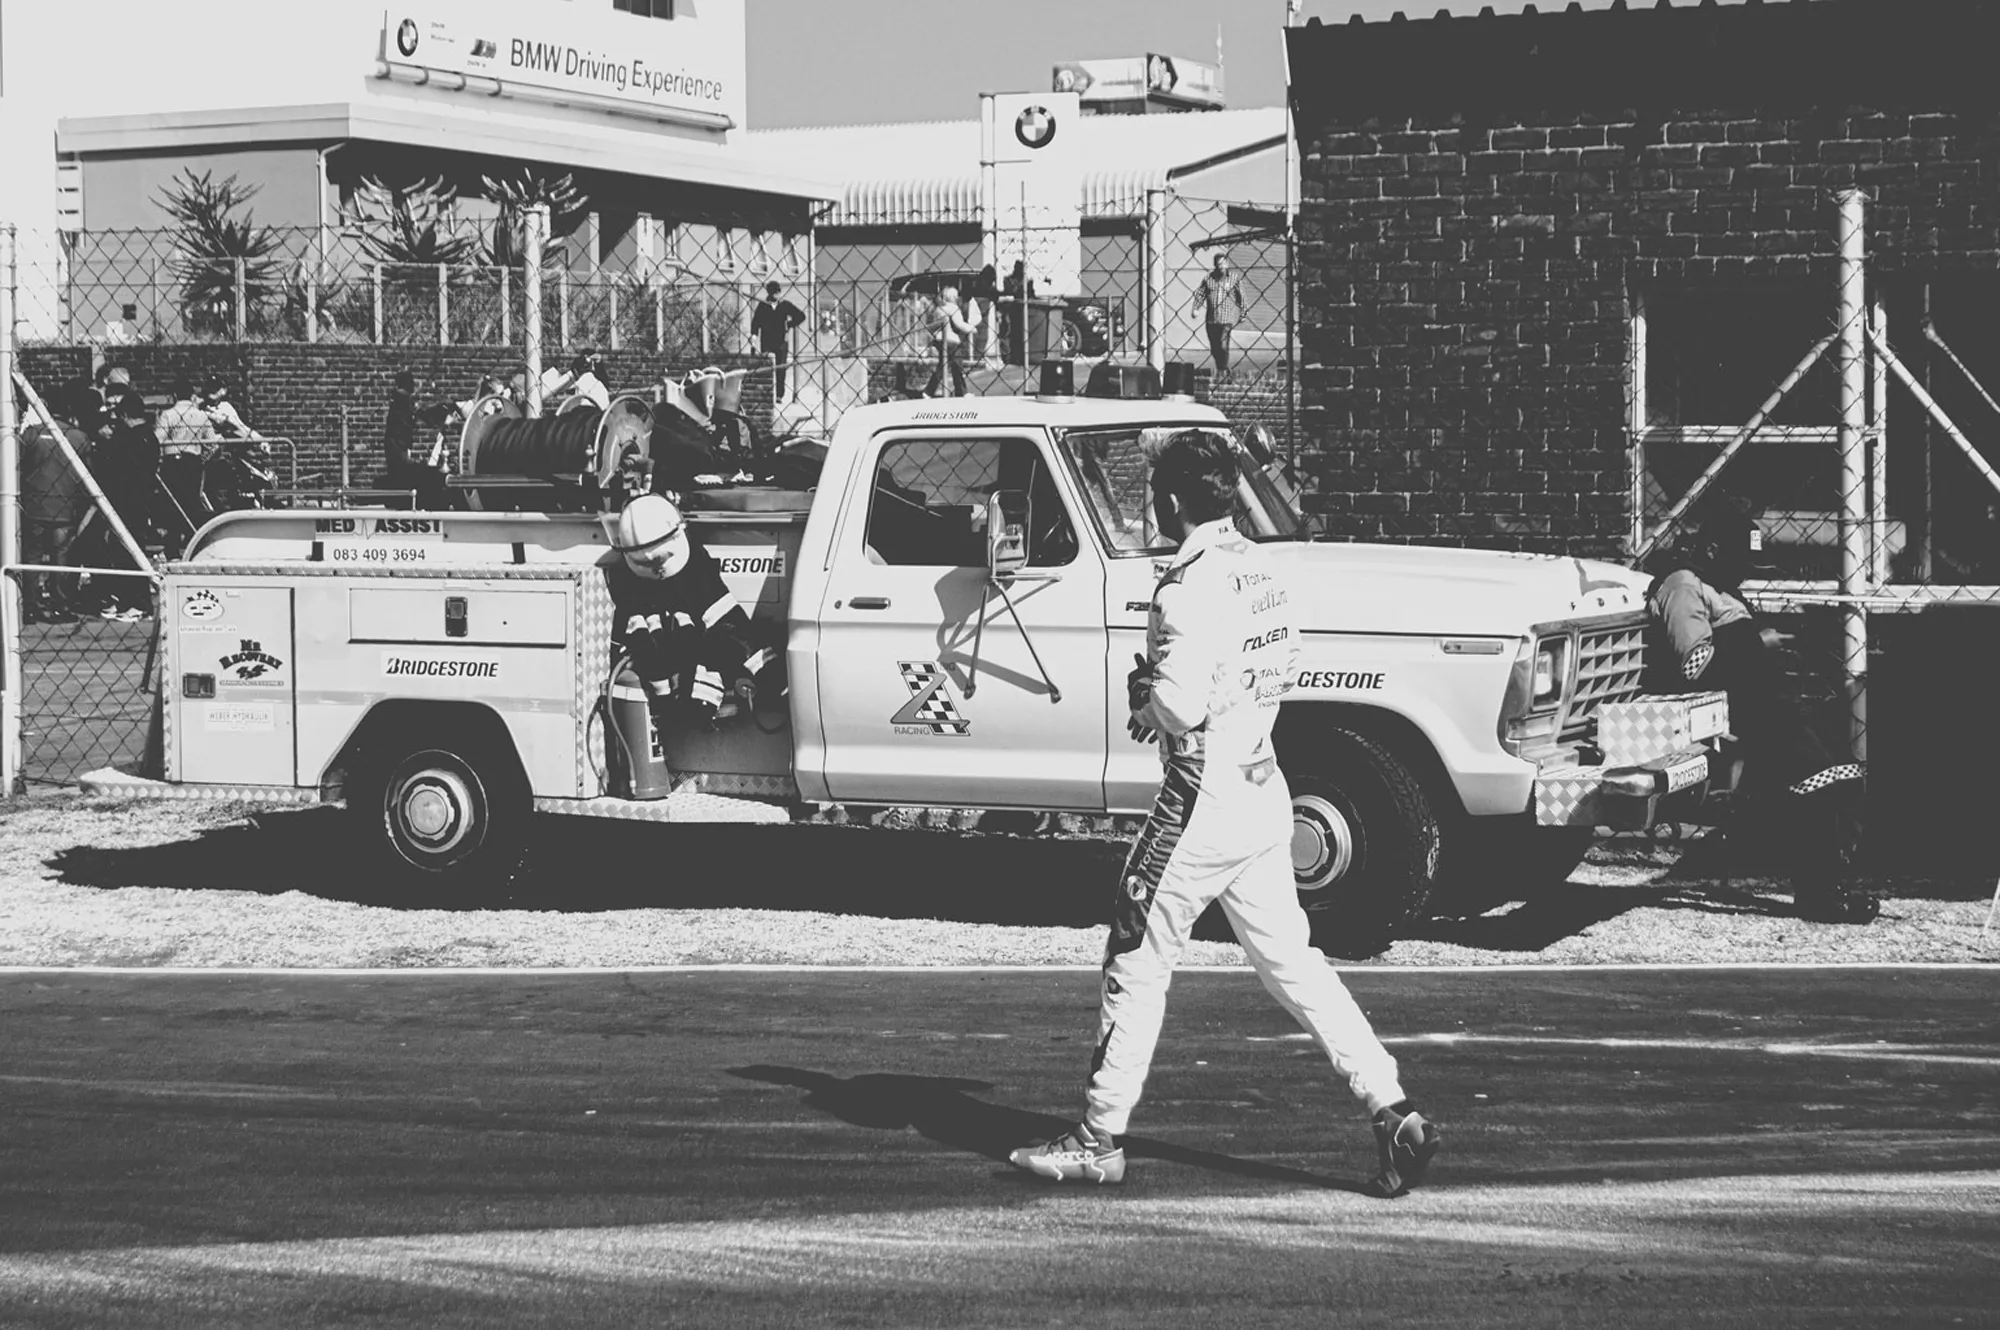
column 1852, row 313
column 10, row 529
column 659, row 317
column 1878, row 451
column 506, row 306
column 444, row 305
column 535, row 233
column 703, row 309
column 376, row 272
column 242, row 300
column 612, row 340
column 1156, row 279
column 562, row 309
column 312, row 307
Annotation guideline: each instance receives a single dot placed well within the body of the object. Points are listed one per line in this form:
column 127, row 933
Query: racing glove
column 1138, row 692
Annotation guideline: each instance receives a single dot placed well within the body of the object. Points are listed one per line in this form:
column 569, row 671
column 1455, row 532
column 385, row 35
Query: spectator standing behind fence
column 1015, row 292
column 984, row 295
column 185, row 431
column 53, row 501
column 949, row 333
column 410, row 443
column 222, row 413
column 772, row 325
column 1221, row 297
column 127, row 467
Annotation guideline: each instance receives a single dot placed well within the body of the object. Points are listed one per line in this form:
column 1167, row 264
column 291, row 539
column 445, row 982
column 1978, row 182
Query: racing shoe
column 1405, row 1139
column 1079, row 1154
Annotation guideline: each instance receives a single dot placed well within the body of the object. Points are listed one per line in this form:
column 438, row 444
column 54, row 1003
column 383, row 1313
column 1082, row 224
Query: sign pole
column 10, row 529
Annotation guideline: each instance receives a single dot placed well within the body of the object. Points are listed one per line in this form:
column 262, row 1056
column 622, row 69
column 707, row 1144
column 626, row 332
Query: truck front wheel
column 1365, row 844
column 446, row 816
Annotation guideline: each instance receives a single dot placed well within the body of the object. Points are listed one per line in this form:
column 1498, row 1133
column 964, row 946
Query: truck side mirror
column 1006, row 533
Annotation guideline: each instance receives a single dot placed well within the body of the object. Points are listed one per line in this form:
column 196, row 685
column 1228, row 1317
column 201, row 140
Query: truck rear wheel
column 1365, row 844
column 445, row 816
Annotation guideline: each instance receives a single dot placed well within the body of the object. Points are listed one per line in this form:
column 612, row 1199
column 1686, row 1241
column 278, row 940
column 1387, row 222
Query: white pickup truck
column 959, row 599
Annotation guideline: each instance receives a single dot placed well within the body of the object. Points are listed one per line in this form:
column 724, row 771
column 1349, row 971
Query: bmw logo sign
column 1035, row 127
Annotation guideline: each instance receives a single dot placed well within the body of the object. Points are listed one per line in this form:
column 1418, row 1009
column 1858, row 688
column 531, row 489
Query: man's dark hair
column 1717, row 544
column 132, row 406
column 1198, row 469
column 406, row 382
column 771, row 289
column 183, row 388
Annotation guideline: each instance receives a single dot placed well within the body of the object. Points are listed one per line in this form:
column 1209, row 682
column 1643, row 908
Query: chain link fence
column 1855, row 427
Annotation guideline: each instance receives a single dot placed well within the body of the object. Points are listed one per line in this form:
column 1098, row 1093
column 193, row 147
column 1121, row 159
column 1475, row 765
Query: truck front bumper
column 1621, row 798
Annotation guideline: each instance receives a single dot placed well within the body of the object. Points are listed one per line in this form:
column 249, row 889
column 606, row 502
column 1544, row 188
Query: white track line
column 1349, row 968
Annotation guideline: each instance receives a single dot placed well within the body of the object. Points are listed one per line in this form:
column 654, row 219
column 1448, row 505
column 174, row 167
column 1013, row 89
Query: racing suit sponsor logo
column 931, row 709
column 397, row 666
column 1265, row 639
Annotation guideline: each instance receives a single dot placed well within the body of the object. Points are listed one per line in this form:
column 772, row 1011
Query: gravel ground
column 90, row 883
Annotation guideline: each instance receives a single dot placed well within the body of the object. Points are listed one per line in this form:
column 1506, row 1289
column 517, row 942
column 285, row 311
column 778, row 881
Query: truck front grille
column 1609, row 664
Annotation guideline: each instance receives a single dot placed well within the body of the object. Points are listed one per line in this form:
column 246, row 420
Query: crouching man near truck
column 1705, row 636
column 1222, row 648
column 687, row 637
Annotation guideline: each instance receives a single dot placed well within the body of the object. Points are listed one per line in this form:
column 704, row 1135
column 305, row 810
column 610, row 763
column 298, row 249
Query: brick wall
column 1471, row 243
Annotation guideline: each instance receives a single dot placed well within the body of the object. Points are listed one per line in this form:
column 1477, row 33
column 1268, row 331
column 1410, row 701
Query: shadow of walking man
column 943, row 1109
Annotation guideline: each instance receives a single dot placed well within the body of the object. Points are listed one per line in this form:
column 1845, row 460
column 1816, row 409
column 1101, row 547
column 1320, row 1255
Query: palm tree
column 407, row 224
column 213, row 245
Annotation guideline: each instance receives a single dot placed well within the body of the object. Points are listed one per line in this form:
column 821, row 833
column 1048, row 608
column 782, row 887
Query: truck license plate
column 1691, row 770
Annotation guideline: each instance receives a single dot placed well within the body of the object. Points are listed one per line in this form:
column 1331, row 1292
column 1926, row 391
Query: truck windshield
column 1114, row 467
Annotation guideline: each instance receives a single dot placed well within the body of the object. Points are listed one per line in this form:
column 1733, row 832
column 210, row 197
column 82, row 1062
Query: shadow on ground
column 585, row 866
column 943, row 1109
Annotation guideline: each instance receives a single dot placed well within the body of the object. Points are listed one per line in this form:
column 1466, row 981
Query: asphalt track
column 1773, row 1147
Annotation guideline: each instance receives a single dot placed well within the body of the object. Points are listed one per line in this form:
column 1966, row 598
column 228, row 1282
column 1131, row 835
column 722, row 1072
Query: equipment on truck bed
column 577, row 460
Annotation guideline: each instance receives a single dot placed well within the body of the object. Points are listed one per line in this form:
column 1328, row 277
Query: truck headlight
column 1551, row 672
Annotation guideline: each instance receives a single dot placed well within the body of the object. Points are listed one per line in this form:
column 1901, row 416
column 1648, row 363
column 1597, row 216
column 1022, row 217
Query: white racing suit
column 1223, row 648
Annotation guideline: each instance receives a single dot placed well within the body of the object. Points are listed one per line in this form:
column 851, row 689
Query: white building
column 1159, row 195
column 642, row 101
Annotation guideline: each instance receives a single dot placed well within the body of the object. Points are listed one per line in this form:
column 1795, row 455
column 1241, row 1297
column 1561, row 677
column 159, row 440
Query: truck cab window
column 929, row 505
column 1115, row 468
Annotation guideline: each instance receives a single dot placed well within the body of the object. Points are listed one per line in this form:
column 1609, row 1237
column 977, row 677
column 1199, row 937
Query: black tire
column 1072, row 339
column 444, row 817
column 1366, row 842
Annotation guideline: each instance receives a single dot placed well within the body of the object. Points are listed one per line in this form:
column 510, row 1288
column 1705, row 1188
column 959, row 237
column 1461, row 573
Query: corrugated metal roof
column 928, row 171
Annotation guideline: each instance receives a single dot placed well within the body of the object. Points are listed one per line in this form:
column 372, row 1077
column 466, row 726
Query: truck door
column 905, row 718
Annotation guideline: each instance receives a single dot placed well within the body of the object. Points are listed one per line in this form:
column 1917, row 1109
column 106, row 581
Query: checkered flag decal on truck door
column 930, row 706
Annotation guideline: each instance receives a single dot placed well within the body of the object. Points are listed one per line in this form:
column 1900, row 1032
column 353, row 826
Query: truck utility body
column 445, row 672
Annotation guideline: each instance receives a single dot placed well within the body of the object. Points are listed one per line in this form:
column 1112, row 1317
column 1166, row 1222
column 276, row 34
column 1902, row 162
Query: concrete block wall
column 1471, row 244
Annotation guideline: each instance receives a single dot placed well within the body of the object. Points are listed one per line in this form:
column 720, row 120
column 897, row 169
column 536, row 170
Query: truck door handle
column 869, row 602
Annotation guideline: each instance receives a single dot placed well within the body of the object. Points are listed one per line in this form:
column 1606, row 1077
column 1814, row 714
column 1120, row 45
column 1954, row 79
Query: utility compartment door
column 233, row 687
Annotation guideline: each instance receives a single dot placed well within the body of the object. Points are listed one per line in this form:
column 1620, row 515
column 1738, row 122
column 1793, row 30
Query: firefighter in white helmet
column 688, row 638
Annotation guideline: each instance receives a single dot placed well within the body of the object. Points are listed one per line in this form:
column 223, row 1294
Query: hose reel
column 569, row 461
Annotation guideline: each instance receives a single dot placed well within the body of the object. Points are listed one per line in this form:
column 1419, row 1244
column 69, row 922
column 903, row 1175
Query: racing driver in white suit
column 1221, row 654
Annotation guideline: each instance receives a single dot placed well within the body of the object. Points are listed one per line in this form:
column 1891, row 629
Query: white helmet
column 652, row 535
